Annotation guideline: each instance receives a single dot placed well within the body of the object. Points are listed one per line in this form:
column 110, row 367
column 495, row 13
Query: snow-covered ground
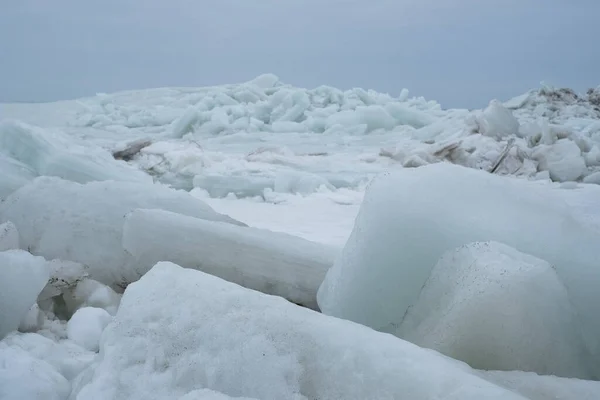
column 260, row 184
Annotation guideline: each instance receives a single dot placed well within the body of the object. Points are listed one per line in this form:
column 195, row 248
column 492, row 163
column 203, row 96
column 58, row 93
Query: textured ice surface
column 409, row 218
column 270, row 262
column 498, row 309
column 22, row 278
column 244, row 343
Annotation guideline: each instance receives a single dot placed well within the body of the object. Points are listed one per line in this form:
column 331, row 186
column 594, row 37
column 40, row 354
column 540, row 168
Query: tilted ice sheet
column 22, row 278
column 243, row 343
column 409, row 218
column 50, row 153
column 270, row 262
column 83, row 223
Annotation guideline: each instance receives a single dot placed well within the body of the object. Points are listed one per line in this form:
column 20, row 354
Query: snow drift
column 409, row 218
column 243, row 343
column 262, row 260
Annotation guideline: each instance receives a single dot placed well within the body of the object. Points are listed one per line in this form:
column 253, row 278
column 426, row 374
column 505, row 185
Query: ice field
column 262, row 241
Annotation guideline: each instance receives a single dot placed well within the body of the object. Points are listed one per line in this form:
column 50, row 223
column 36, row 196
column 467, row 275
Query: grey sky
column 461, row 52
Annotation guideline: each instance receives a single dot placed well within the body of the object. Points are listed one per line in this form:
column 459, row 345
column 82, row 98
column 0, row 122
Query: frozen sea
column 259, row 187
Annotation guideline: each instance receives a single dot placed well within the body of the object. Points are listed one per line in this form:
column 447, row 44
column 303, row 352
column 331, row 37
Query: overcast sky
column 460, row 52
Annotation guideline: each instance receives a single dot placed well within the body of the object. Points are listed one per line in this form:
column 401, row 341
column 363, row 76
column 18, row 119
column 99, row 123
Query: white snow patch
column 322, row 217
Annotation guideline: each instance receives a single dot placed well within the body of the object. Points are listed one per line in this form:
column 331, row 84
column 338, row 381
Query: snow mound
column 22, row 278
column 50, row 153
column 243, row 343
column 262, row 260
column 25, row 377
column 9, row 236
column 498, row 309
column 64, row 220
column 86, row 326
column 410, row 217
column 66, row 357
